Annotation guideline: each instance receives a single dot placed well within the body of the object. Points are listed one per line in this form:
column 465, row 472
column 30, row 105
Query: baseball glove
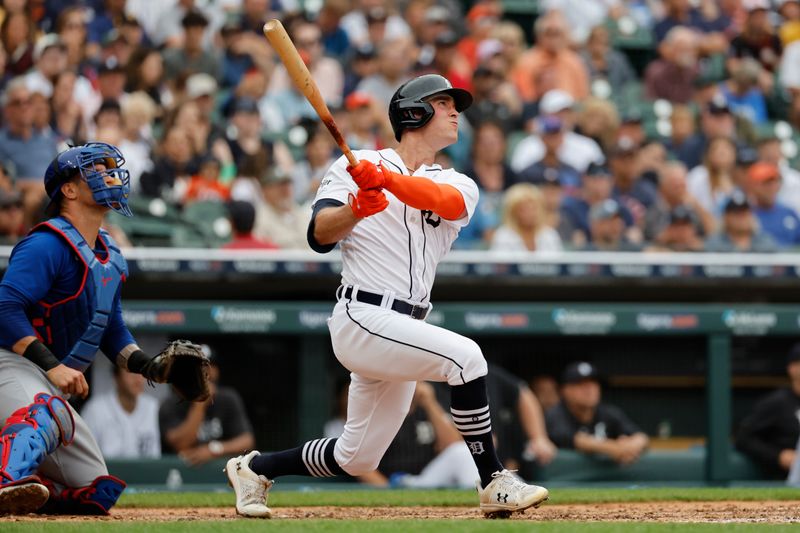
column 183, row 365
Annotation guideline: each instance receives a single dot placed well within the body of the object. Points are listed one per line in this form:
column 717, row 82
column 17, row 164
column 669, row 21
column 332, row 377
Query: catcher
column 60, row 303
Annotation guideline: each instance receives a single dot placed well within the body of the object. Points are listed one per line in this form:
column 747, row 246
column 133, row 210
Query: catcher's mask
column 82, row 160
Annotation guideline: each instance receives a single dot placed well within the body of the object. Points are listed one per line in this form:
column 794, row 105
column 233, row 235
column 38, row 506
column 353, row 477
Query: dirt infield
column 711, row 512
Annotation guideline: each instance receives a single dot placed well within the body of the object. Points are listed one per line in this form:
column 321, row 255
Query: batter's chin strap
column 96, row 499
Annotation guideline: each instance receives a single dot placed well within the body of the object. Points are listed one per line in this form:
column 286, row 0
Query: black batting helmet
column 408, row 108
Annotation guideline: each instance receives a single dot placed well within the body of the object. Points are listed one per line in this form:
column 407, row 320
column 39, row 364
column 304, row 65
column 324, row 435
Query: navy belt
column 417, row 312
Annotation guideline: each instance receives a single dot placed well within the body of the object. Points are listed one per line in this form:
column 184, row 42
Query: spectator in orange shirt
column 481, row 20
column 551, row 55
column 205, row 185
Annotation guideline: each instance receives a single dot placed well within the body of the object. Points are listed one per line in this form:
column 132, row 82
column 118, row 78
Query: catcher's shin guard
column 96, row 499
column 30, row 434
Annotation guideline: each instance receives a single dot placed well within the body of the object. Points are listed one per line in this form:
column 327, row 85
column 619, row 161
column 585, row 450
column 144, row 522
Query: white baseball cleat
column 23, row 497
column 507, row 494
column 251, row 489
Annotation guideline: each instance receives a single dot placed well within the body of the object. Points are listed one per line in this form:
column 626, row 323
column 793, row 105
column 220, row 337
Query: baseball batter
column 395, row 216
column 60, row 303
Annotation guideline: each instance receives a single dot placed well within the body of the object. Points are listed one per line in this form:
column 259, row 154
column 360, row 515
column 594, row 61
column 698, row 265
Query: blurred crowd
column 617, row 125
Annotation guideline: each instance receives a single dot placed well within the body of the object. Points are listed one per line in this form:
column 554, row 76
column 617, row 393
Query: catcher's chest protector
column 102, row 279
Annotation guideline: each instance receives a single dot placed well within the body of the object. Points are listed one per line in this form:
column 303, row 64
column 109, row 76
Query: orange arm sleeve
column 422, row 193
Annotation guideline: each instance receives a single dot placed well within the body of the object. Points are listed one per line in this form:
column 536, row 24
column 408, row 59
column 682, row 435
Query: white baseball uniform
column 393, row 256
column 122, row 434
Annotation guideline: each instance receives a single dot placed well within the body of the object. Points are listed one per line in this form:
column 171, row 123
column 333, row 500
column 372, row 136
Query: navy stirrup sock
column 469, row 406
column 314, row 458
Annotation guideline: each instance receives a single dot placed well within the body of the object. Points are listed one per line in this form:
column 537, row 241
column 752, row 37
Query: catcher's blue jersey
column 49, row 291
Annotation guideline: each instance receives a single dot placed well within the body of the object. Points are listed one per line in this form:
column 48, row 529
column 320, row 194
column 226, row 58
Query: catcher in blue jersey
column 60, row 304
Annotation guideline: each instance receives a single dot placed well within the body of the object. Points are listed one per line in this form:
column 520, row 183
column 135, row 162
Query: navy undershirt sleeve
column 318, row 206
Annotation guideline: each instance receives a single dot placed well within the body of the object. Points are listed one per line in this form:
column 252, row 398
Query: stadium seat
column 143, row 230
column 143, row 206
column 210, row 219
column 187, row 236
column 630, row 98
column 521, row 7
column 713, row 68
column 626, row 33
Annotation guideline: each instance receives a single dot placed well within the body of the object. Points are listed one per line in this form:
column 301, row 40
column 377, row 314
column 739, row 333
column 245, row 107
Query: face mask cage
column 110, row 187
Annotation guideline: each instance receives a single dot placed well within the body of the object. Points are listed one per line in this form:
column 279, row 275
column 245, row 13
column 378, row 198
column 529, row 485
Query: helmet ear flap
column 410, row 114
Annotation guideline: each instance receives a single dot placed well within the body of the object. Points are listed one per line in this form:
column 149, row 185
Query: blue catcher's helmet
column 409, row 109
column 82, row 159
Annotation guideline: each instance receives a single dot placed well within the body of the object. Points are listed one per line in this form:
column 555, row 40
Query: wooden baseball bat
column 301, row 77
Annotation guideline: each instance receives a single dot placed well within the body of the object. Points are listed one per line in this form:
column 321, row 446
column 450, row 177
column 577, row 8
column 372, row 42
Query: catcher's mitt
column 183, row 365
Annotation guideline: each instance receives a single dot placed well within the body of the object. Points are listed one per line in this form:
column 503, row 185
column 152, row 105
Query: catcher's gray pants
column 76, row 465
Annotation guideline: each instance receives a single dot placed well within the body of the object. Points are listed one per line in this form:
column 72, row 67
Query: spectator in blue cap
column 607, row 229
column 597, row 185
column 551, row 132
column 740, row 231
column 680, row 233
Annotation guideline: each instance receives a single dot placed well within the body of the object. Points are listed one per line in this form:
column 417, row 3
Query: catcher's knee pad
column 31, row 433
column 96, row 499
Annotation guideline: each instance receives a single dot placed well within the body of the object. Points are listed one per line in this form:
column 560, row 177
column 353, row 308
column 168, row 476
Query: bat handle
column 350, row 158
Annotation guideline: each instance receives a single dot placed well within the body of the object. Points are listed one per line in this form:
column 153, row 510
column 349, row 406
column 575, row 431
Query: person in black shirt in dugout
column 581, row 422
column 769, row 434
column 203, row 431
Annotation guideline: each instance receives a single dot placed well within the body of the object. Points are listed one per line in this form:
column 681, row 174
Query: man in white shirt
column 124, row 421
column 577, row 151
column 279, row 218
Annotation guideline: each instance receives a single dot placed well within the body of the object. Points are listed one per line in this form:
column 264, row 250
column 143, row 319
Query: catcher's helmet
column 81, row 160
column 408, row 108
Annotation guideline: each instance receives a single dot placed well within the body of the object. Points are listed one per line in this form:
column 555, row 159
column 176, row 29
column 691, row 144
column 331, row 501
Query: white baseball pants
column 387, row 353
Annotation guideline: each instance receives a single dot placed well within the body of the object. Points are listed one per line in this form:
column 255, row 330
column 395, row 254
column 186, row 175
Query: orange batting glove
column 367, row 202
column 366, row 175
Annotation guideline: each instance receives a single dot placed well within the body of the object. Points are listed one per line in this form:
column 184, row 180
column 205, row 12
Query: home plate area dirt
column 712, row 512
